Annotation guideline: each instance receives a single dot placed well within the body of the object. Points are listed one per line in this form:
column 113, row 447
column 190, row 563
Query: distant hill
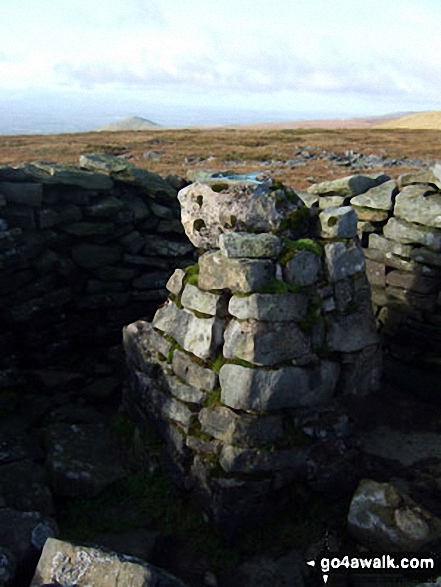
column 419, row 121
column 329, row 123
column 133, row 123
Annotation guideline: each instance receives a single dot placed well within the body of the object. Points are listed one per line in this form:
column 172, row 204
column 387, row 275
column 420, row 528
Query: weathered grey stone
column 170, row 226
column 158, row 245
column 264, row 343
column 382, row 517
column 195, row 375
column 331, row 202
column 104, row 208
column 137, row 206
column 69, row 175
column 48, row 218
column 8, row 566
column 91, row 256
column 405, row 232
column 344, row 259
column 22, row 486
column 153, row 280
column 69, row 213
column 141, row 338
column 28, row 194
column 416, row 300
column 401, row 263
column 177, row 411
column 303, row 269
column 269, row 307
column 351, row 185
column 240, row 275
column 410, row 281
column 353, row 332
column 420, row 204
column 20, row 216
column 244, row 206
column 200, row 336
column 82, row 459
column 133, row 242
column 234, row 459
column 338, row 222
column 253, row 246
column 183, row 392
column 310, row 200
column 203, row 301
column 260, row 390
column 116, row 273
column 423, row 255
column 176, row 282
column 136, row 542
column 370, row 215
column 243, row 429
column 376, row 273
column 385, row 245
column 423, row 176
column 378, row 198
column 64, row 563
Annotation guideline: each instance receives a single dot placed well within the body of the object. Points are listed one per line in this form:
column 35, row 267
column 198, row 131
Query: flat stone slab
column 200, row 336
column 82, row 459
column 352, row 332
column 378, row 198
column 352, row 185
column 234, row 459
column 194, row 374
column 253, row 246
column 406, row 232
column 183, row 392
column 203, row 301
column 176, row 282
column 420, row 204
column 64, row 563
column 261, row 390
column 244, row 429
column 269, row 307
column 239, row 275
column 338, row 222
column 265, row 343
column 303, row 269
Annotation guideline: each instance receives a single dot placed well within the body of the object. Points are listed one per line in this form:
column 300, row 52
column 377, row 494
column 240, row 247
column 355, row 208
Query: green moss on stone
column 276, row 286
column 213, row 399
column 191, row 274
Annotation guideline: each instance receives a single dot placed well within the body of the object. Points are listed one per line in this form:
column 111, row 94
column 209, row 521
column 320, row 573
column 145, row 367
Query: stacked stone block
column 400, row 227
column 272, row 327
column 82, row 252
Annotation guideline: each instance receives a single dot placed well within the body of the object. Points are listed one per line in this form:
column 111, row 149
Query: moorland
column 298, row 157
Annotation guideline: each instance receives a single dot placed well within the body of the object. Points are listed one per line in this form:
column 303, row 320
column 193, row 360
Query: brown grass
column 419, row 121
column 218, row 147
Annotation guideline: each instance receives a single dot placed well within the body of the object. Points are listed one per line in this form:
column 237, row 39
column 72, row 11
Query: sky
column 272, row 59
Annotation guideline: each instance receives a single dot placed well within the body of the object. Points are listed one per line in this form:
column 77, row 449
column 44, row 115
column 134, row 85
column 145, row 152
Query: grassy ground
column 238, row 149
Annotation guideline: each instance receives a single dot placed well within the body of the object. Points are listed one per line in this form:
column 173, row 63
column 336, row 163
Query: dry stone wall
column 245, row 368
column 82, row 252
column 400, row 228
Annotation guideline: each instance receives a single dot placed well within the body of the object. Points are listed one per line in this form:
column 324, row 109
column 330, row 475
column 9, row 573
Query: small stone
column 412, row 282
column 370, row 215
column 351, row 185
column 264, row 343
column 259, row 390
column 303, row 268
column 238, row 275
column 269, row 307
column 203, row 301
column 176, row 281
column 385, row 245
column 183, row 392
column 200, row 336
column 405, row 232
column 376, row 273
column 338, row 222
column 344, row 260
column 331, row 202
column 253, row 246
column 420, row 204
column 352, row 332
column 194, row 374
column 423, row 176
column 377, row 198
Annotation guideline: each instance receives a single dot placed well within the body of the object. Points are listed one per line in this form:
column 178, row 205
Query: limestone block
column 303, row 269
column 194, row 374
column 252, row 246
column 344, row 259
column 423, row 176
column 183, row 392
column 405, row 232
column 351, row 185
column 385, row 245
column 243, row 275
column 261, row 390
column 284, row 307
column 176, row 410
column 382, row 517
column 353, row 332
column 338, row 222
column 27, row 194
column 377, row 198
column 234, row 459
column 413, row 282
column 416, row 300
column 64, row 563
column 237, row 207
column 265, row 343
column 203, row 301
column 244, row 429
column 331, row 202
column 370, row 215
column 200, row 336
column 420, row 204
column 423, row 255
column 175, row 283
column 49, row 173
column 376, row 273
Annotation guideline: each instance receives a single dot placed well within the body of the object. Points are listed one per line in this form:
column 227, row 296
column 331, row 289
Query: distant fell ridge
column 430, row 120
column 133, row 123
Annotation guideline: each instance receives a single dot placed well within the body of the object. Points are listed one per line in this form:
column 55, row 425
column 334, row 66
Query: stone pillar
column 245, row 367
